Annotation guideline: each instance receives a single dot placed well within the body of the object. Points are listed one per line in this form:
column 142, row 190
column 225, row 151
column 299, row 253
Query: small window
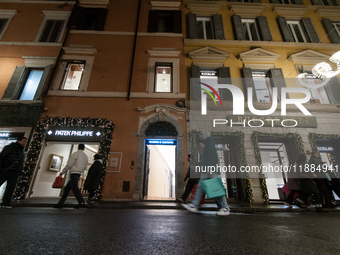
column 72, row 75
column 162, row 21
column 165, row 22
column 262, row 86
column 163, row 77
column 210, row 77
column 204, row 28
column 31, row 84
column 250, row 30
column 2, row 24
column 84, row 18
column 51, row 31
column 296, row 30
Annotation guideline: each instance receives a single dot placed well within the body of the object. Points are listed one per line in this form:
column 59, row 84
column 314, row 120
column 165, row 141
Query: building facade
column 262, row 45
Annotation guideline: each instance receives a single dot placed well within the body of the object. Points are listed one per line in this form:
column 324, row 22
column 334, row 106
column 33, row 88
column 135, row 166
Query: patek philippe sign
column 74, row 134
column 273, row 121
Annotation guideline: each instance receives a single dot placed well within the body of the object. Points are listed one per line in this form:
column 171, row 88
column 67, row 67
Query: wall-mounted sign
column 73, row 134
column 325, row 148
column 13, row 135
column 273, row 121
column 161, row 142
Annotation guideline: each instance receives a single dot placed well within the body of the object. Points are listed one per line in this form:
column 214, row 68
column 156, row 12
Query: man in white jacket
column 76, row 164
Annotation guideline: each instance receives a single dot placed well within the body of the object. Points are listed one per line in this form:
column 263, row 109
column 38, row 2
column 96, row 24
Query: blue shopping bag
column 213, row 187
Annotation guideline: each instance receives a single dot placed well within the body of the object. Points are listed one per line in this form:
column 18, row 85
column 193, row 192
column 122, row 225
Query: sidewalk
column 234, row 207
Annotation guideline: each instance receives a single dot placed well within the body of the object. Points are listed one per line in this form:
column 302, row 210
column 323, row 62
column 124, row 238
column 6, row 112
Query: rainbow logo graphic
column 208, row 92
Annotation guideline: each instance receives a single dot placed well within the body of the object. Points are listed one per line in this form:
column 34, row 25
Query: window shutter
column 337, row 2
column 194, row 85
column 316, row 2
column 177, row 22
column 333, row 90
column 256, row 1
column 153, row 21
column 298, row 1
column 238, row 28
column 224, row 78
column 42, row 82
column 286, row 34
column 100, row 22
column 333, row 35
column 13, row 83
column 313, row 36
column 277, row 80
column 264, row 28
column 218, row 26
column 275, row 1
column 77, row 16
column 248, row 82
column 192, row 26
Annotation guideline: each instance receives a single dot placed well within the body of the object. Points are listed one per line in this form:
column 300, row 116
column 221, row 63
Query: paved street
column 133, row 231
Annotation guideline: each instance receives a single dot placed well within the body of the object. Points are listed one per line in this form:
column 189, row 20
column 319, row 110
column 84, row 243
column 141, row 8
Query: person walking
column 11, row 162
column 293, row 184
column 190, row 183
column 307, row 186
column 76, row 164
column 93, row 178
column 209, row 158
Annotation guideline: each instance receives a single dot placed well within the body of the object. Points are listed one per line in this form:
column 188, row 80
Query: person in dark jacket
column 11, row 162
column 93, row 178
column 307, row 186
column 189, row 185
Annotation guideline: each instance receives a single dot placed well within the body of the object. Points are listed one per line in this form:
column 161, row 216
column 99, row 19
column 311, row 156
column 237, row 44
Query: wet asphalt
column 147, row 231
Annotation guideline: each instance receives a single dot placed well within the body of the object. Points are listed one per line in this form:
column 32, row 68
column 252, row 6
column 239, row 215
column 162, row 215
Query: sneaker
column 79, row 205
column 7, row 206
column 223, row 212
column 190, row 207
column 299, row 204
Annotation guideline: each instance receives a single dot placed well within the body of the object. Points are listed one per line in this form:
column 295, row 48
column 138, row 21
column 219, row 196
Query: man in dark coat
column 93, row 178
column 11, row 162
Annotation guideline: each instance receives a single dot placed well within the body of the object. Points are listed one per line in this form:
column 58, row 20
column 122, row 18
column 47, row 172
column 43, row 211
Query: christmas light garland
column 37, row 141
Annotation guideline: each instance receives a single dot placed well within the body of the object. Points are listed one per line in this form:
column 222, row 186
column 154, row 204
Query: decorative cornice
column 57, row 14
column 291, row 12
column 79, row 49
column 164, row 52
column 247, row 11
column 208, row 53
column 158, row 5
column 308, row 57
column 259, row 56
column 94, row 2
column 328, row 13
column 205, row 9
column 161, row 108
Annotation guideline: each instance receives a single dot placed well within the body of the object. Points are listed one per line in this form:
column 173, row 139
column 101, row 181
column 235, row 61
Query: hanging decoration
column 37, row 142
column 241, row 150
column 255, row 138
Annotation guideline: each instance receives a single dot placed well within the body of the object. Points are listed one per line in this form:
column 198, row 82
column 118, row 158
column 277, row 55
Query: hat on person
column 97, row 156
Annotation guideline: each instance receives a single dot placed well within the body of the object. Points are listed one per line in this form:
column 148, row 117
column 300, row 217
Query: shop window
column 262, row 86
column 27, row 83
column 250, row 30
column 162, row 21
column 296, row 30
column 163, row 77
column 5, row 19
column 87, row 18
column 319, row 95
column 72, row 75
column 53, row 26
column 204, row 28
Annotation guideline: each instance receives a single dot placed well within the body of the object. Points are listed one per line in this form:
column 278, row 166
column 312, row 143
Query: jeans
column 72, row 185
column 220, row 201
column 11, row 177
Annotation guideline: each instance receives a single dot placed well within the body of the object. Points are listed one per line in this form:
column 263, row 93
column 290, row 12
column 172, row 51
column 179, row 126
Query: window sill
column 32, row 44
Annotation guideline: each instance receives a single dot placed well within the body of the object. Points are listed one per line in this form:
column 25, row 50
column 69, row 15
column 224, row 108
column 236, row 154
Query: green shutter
column 275, row 1
column 313, row 36
column 277, row 80
column 316, row 2
column 248, row 82
column 264, row 28
column 286, row 34
column 224, row 78
column 192, row 29
column 218, row 26
column 256, row 1
column 195, row 91
column 153, row 21
column 298, row 1
column 13, row 84
column 42, row 82
column 238, row 28
column 337, row 2
column 333, row 35
column 333, row 90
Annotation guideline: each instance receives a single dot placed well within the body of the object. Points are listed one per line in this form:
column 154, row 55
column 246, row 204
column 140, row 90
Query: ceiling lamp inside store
column 323, row 71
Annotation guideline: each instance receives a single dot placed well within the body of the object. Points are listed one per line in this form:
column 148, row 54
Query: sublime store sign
column 73, row 134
